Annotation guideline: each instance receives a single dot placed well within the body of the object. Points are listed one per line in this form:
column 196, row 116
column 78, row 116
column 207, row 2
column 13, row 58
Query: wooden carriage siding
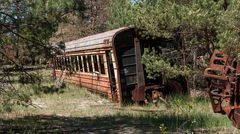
column 86, row 76
column 88, row 57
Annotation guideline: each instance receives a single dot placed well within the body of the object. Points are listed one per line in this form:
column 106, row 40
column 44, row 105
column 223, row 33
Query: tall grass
column 183, row 113
column 20, row 87
column 195, row 112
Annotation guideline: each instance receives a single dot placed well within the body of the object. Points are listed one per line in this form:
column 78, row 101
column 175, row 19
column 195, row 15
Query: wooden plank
column 89, row 85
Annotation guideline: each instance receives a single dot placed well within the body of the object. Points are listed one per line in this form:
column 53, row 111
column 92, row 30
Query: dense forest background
column 29, row 27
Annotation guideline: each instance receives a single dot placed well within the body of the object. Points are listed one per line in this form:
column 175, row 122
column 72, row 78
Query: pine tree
column 26, row 26
column 207, row 24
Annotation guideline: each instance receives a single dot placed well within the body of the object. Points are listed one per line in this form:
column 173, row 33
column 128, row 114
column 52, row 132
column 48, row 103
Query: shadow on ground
column 108, row 124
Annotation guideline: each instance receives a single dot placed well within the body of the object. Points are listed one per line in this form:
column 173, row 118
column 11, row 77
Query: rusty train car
column 110, row 63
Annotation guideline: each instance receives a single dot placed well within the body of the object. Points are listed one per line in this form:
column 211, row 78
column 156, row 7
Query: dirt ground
column 72, row 112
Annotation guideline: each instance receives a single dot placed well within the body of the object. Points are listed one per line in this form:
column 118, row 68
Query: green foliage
column 12, row 97
column 228, row 29
column 163, row 129
column 26, row 27
column 194, row 110
column 17, row 90
column 163, row 17
column 28, row 24
column 119, row 14
column 30, row 78
column 156, row 65
column 207, row 24
column 200, row 22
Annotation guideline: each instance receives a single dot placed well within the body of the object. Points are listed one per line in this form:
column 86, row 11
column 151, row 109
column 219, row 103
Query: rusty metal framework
column 223, row 74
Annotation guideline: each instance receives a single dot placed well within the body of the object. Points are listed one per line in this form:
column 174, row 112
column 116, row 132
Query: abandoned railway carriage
column 109, row 63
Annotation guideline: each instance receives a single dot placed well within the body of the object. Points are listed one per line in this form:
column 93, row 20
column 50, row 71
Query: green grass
column 74, row 109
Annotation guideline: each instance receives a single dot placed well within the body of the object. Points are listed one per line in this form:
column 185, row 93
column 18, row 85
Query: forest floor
column 76, row 110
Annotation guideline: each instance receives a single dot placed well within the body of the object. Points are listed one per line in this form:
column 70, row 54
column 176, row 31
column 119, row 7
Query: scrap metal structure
column 110, row 63
column 224, row 91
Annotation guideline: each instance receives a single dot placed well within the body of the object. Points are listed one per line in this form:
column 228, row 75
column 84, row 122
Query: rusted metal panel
column 218, row 65
column 125, row 52
column 138, row 94
column 139, row 66
column 224, row 80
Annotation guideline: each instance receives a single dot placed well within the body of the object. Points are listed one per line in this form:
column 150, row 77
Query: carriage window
column 68, row 63
column 85, row 64
column 65, row 62
column 90, row 63
column 95, row 63
column 80, row 63
column 73, row 66
column 102, row 68
column 76, row 63
column 62, row 63
column 73, row 63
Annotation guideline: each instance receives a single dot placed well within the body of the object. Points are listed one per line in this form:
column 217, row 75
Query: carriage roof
column 94, row 41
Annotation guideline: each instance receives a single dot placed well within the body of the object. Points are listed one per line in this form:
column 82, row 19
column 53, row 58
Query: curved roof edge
column 93, row 41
